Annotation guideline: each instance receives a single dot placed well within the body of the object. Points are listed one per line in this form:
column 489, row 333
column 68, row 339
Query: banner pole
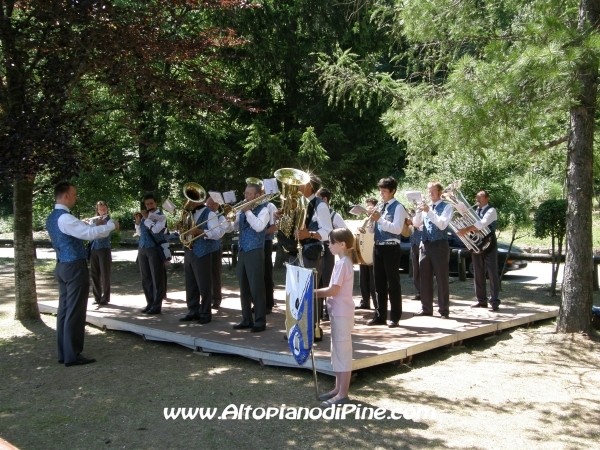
column 312, row 357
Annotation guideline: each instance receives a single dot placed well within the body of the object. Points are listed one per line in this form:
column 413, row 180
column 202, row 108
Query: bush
column 6, row 224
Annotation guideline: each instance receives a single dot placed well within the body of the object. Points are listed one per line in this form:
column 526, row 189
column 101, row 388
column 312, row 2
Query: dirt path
column 526, row 388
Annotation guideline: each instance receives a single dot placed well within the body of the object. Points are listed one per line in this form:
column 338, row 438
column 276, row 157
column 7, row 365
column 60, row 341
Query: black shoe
column 103, row 303
column 416, row 297
column 362, row 307
column 190, row 317
column 81, row 361
column 392, row 324
column 258, row 328
column 494, row 308
column 153, row 310
column 216, row 306
column 479, row 305
column 423, row 313
column 375, row 322
column 269, row 311
column 204, row 320
column 444, row 316
column 241, row 326
column 60, row 361
column 146, row 309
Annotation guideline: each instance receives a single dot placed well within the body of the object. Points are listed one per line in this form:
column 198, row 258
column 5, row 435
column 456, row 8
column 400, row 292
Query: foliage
column 550, row 219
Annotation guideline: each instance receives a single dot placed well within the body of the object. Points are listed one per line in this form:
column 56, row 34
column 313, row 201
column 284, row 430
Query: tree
column 488, row 78
column 551, row 220
column 50, row 49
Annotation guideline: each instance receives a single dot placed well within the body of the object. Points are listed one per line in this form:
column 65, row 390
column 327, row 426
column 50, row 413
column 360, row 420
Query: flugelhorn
column 369, row 220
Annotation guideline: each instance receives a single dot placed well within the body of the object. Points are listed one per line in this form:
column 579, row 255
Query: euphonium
column 193, row 192
column 464, row 216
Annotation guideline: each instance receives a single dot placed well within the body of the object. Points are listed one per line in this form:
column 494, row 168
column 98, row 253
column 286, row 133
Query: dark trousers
column 217, row 272
column 73, row 290
column 198, row 283
column 311, row 264
column 433, row 260
column 250, row 270
column 269, row 284
column 100, row 265
column 367, row 285
column 482, row 265
column 328, row 265
column 414, row 255
column 154, row 277
column 386, row 268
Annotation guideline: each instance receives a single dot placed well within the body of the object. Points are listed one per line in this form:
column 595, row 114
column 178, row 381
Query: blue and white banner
column 299, row 322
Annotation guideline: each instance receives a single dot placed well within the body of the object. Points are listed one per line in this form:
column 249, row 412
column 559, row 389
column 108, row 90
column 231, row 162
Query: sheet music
column 270, row 185
column 154, row 217
column 414, row 196
column 229, row 197
column 217, row 197
column 357, row 210
column 168, row 205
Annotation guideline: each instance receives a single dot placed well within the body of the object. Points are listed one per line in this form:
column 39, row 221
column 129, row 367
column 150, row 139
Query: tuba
column 464, row 216
column 293, row 202
column 193, row 192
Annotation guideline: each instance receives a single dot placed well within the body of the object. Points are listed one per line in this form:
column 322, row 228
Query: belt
column 386, row 243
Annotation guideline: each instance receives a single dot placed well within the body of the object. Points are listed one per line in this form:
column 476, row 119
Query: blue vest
column 492, row 226
column 68, row 248
column 250, row 239
column 145, row 238
column 432, row 232
column 415, row 238
column 381, row 235
column 99, row 243
column 203, row 247
column 312, row 225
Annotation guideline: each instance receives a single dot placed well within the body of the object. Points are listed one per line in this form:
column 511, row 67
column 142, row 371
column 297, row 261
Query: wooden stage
column 372, row 345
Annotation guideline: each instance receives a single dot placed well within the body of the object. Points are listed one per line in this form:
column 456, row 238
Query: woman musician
column 100, row 257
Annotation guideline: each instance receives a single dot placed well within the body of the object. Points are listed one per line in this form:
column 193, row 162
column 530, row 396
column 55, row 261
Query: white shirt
column 258, row 224
column 490, row 216
column 212, row 225
column 272, row 210
column 440, row 221
column 156, row 224
column 397, row 223
column 338, row 222
column 323, row 219
column 225, row 225
column 69, row 224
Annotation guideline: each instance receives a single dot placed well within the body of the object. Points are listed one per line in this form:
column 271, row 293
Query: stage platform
column 372, row 345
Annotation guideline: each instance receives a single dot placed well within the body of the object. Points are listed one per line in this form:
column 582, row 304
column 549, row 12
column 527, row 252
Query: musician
column 387, row 223
column 415, row 243
column 269, row 236
column 434, row 251
column 487, row 261
column 328, row 258
column 252, row 222
column 67, row 235
column 198, row 263
column 100, row 258
column 150, row 225
column 366, row 276
column 217, row 257
column 315, row 233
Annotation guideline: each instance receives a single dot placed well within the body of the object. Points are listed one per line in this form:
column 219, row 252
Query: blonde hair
column 345, row 235
column 102, row 203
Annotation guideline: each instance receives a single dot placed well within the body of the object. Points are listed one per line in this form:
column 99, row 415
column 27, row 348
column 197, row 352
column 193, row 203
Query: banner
column 299, row 304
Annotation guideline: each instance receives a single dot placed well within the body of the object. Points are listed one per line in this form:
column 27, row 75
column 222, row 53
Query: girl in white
column 341, row 311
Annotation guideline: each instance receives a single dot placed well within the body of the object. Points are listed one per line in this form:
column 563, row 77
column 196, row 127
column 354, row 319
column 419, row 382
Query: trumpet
column 369, row 220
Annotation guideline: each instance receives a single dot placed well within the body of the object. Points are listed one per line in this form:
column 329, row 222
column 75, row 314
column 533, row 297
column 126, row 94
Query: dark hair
column 344, row 235
column 324, row 193
column 101, row 203
column 372, row 200
column 150, row 195
column 257, row 187
column 485, row 193
column 315, row 182
column 62, row 188
column 388, row 183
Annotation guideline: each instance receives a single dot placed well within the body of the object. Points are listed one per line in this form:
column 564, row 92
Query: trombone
column 229, row 212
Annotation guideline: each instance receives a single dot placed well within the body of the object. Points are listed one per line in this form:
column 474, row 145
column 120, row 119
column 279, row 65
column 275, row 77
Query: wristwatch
column 312, row 234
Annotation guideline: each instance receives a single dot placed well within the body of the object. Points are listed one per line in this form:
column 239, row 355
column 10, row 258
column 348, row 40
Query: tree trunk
column 576, row 307
column 26, row 306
